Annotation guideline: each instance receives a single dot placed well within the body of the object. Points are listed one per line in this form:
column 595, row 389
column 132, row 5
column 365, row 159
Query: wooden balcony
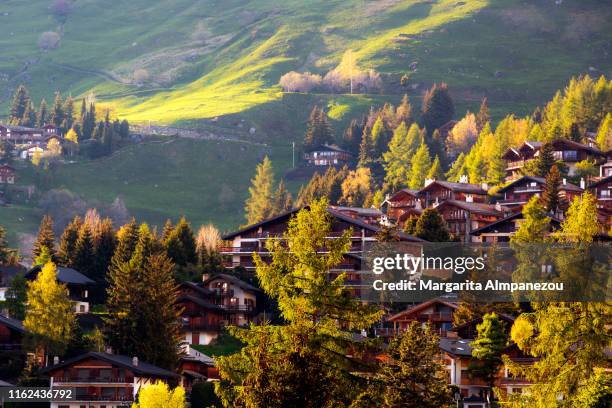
column 94, row 380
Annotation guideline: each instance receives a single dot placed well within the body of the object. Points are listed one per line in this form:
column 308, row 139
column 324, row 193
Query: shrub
column 48, row 40
column 296, row 82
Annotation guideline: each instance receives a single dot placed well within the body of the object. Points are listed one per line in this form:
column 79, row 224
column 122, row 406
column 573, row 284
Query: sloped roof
column 14, row 324
column 539, row 180
column 142, row 368
column 198, row 301
column 478, row 208
column 511, row 217
column 421, row 306
column 64, row 275
column 600, row 182
column 325, row 147
column 359, row 210
column 457, row 347
column 197, row 288
column 238, row 282
column 457, row 187
column 414, row 193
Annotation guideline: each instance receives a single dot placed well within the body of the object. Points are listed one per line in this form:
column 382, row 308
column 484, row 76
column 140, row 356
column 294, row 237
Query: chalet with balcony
column 237, row 298
column 464, row 217
column 327, row 155
column 7, row 174
column 253, row 239
column 503, row 229
column 516, row 157
column 602, row 190
column 519, row 192
column 21, row 135
column 437, row 191
column 12, row 333
column 195, row 366
column 202, row 318
column 7, row 273
column 400, row 205
column 78, row 285
column 437, row 312
column 368, row 215
column 605, row 170
column 104, row 380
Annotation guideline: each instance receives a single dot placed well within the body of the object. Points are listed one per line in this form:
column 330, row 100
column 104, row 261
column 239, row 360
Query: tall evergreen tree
column 84, row 255
column 432, row 227
column 545, row 160
column 352, row 137
column 483, row 117
column 45, row 237
column 487, row 348
column 438, row 107
column 435, row 172
column 550, row 195
column 167, row 230
column 42, row 116
column 16, row 297
column 49, row 319
column 258, row 206
column 127, row 238
column 282, row 200
column 180, row 244
column 604, row 134
column 105, row 242
column 57, row 111
column 419, row 167
column 19, row 105
column 536, row 225
column 29, row 116
column 5, row 251
column 68, row 240
column 68, row 109
column 318, row 131
column 366, row 150
column 397, row 159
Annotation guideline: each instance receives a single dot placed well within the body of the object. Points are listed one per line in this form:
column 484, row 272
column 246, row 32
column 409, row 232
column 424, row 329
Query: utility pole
column 293, row 155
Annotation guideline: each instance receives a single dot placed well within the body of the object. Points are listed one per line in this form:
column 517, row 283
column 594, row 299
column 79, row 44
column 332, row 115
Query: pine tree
column 488, row 347
column 167, row 230
column 380, row 137
column 397, row 158
column 49, row 320
column 258, row 206
column 68, row 109
column 545, row 160
column 43, row 258
column 282, row 200
column 5, row 252
column 45, row 237
column 438, row 107
column 483, row 117
column 403, row 112
column 16, row 297
column 42, row 115
column 352, row 137
column 581, row 223
column 435, row 172
column 431, row 226
column 318, row 130
column 457, row 169
column 305, row 362
column 180, row 244
column 84, row 255
column 57, row 111
column 366, row 150
column 604, row 134
column 437, row 146
column 105, row 242
column 414, row 377
column 550, row 195
column 124, row 129
column 19, row 105
column 68, row 240
column 127, row 238
column 419, row 166
column 29, row 116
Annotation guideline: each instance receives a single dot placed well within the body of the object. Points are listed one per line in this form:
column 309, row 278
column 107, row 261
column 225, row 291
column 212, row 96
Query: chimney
column 485, row 186
column 469, row 198
column 582, row 183
column 135, row 361
column 56, row 360
column 463, row 178
column 564, row 181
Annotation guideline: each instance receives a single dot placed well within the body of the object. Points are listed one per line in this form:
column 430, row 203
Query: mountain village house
column 437, row 191
column 78, row 285
column 464, row 217
column 327, row 155
column 202, row 319
column 236, row 298
column 437, row 312
column 12, row 333
column 104, row 380
column 7, row 174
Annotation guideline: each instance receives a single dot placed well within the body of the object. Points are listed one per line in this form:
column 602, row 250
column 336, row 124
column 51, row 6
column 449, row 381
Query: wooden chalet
column 78, row 285
column 253, row 238
column 519, row 192
column 202, row 318
column 104, row 380
column 195, row 366
column 602, row 190
column 368, row 215
column 235, row 297
column 7, row 273
column 402, row 203
column 437, row 191
column 12, row 333
column 437, row 312
column 605, row 170
column 7, row 174
column 327, row 155
column 21, row 135
column 503, row 229
column 464, row 217
column 516, row 157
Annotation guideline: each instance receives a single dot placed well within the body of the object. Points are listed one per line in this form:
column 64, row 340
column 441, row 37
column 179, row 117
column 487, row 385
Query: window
column 517, row 390
column 570, row 155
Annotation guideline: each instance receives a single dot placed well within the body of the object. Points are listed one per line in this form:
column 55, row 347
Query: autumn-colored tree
column 159, row 395
column 419, row 167
column 604, row 134
column 550, row 195
column 438, row 107
column 536, row 224
column 258, row 206
column 357, row 188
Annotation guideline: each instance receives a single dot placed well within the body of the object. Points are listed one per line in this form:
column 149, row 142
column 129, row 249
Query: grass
column 223, row 345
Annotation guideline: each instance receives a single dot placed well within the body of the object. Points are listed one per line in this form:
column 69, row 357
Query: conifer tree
column 604, row 134
column 397, row 158
column 42, row 114
column 352, row 137
column 57, row 111
column 282, row 200
column 437, row 147
column 167, row 230
column 457, row 169
column 21, row 101
column 380, row 135
column 435, row 172
column 536, row 225
column 431, row 226
column 68, row 109
column 105, row 242
column 550, row 195
column 306, row 361
column 414, row 377
column 180, row 244
column 29, row 116
column 419, row 166
column 545, row 160
column 438, row 107
column 45, row 237
column 403, row 112
column 258, row 206
column 43, row 258
column 487, row 348
column 68, row 240
column 84, row 256
column 5, row 251
column 581, row 223
column 127, row 238
column 319, row 130
column 366, row 150
column 483, row 117
column 49, row 319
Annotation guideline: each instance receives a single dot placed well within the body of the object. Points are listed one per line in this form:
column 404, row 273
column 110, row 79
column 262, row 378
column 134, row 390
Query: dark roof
column 478, row 320
column 64, row 275
column 12, row 270
column 457, row 187
column 198, row 301
column 334, row 213
column 457, row 347
column 7, row 166
column 14, row 324
column 600, row 182
column 422, row 306
column 557, row 143
column 117, row 359
column 539, row 180
column 320, row 148
column 240, row 283
column 505, row 219
column 359, row 210
column 14, row 128
column 414, row 193
column 198, row 288
column 478, row 208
